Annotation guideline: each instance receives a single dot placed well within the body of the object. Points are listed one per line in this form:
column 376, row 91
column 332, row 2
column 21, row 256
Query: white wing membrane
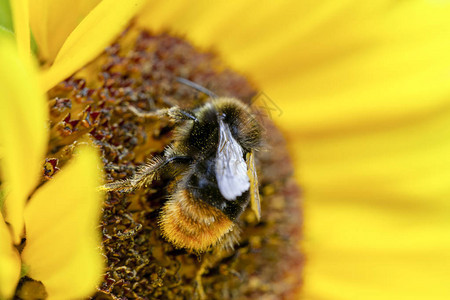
column 231, row 168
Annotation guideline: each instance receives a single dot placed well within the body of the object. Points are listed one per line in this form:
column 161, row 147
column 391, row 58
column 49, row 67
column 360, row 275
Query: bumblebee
column 211, row 164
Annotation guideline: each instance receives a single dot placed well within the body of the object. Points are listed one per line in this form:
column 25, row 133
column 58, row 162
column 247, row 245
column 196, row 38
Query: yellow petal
column 380, row 71
column 20, row 11
column 9, row 263
column 377, row 213
column 247, row 32
column 90, row 38
column 23, row 132
column 370, row 130
column 63, row 242
column 53, row 20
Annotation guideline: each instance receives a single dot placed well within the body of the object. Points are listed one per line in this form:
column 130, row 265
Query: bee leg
column 198, row 279
column 175, row 113
column 145, row 174
column 209, row 260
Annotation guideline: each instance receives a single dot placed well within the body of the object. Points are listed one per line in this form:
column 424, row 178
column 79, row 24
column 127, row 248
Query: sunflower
column 361, row 92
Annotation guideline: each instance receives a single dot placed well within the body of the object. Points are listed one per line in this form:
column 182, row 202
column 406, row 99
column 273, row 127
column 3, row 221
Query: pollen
column 193, row 225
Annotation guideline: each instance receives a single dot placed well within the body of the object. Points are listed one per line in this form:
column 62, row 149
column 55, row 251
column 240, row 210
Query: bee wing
column 231, row 169
column 255, row 202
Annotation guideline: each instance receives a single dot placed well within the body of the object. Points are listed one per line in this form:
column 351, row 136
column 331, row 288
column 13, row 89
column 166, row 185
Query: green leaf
column 6, row 22
column 5, row 15
column 24, row 270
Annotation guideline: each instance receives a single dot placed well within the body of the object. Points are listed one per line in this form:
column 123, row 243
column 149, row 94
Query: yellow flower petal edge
column 63, row 242
column 100, row 27
column 20, row 11
column 9, row 263
column 23, row 132
column 53, row 20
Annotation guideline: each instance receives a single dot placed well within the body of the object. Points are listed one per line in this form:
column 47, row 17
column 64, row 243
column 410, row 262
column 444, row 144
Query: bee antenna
column 196, row 86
